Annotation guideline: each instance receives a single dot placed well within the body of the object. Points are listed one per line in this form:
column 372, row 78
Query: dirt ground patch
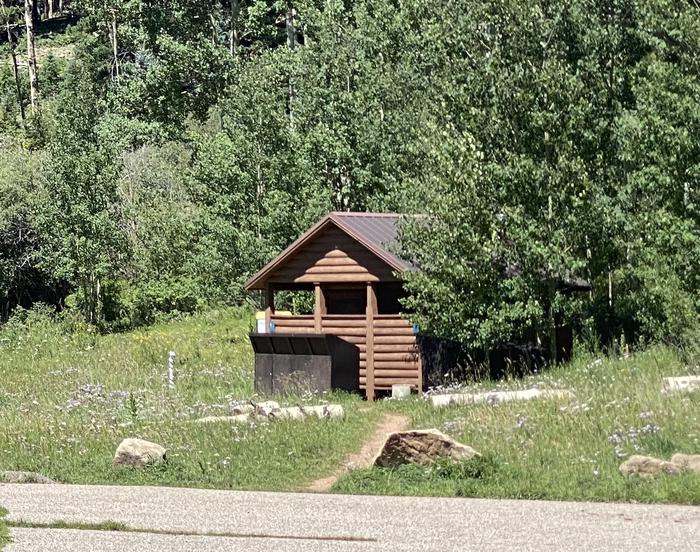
column 389, row 423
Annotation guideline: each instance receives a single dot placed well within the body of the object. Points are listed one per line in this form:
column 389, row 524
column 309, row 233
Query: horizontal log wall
column 396, row 358
column 334, row 257
column 293, row 324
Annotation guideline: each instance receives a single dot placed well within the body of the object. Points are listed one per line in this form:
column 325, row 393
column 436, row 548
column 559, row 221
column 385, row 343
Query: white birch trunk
column 115, row 46
column 31, row 55
column 13, row 61
column 234, row 40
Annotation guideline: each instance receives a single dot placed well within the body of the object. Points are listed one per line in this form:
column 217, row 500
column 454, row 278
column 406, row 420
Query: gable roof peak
column 375, row 231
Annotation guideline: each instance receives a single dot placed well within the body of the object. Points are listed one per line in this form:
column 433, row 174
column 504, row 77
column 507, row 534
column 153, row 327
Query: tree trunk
column 13, row 59
column 234, row 40
column 551, row 286
column 291, row 29
column 92, row 292
column 290, row 101
column 115, row 46
column 260, row 190
column 212, row 20
column 15, row 72
column 552, row 321
column 29, row 9
column 291, row 44
column 98, row 301
column 50, row 9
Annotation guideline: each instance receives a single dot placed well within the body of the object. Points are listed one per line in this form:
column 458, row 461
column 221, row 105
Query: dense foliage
column 175, row 146
column 569, row 150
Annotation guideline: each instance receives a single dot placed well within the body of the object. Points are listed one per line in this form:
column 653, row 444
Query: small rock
column 266, row 408
column 269, row 411
column 238, row 419
column 333, row 411
column 24, row 477
column 301, row 412
column 421, row 447
column 687, row 462
column 647, row 467
column 325, row 411
column 240, row 409
column 290, row 413
column 137, row 453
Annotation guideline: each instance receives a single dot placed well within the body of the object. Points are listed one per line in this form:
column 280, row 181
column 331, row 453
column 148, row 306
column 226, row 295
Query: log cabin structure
column 346, row 260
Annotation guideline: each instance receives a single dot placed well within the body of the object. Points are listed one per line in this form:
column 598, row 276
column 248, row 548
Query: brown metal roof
column 380, row 230
column 376, row 231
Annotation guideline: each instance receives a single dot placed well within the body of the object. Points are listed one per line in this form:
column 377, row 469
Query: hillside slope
column 67, row 399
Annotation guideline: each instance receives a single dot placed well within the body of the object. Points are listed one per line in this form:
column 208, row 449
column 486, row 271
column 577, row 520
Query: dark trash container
column 293, row 363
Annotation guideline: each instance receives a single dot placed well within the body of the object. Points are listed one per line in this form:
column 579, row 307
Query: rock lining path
column 389, row 423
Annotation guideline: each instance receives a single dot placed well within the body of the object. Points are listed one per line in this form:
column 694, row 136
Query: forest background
column 155, row 153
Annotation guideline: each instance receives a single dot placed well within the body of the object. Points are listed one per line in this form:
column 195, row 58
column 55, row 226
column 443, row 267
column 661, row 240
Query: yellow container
column 260, row 320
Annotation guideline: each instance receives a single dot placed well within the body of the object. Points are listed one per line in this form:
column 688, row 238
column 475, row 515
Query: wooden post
column 420, row 369
column 370, row 312
column 319, row 307
column 269, row 306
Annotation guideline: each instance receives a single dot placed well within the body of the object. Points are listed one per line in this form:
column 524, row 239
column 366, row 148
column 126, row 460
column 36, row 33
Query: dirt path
column 363, row 458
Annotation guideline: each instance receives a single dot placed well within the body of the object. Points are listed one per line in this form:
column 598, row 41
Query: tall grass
column 562, row 449
column 4, row 535
column 68, row 398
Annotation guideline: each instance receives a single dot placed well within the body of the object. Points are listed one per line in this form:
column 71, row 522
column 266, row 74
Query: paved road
column 332, row 523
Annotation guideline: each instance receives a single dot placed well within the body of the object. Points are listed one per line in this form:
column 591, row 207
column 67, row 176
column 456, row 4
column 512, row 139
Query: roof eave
column 392, row 260
column 257, row 281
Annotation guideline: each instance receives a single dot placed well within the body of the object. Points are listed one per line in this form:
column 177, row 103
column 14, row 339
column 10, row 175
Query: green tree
column 83, row 243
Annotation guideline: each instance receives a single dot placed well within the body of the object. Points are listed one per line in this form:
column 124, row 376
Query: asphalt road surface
column 202, row 520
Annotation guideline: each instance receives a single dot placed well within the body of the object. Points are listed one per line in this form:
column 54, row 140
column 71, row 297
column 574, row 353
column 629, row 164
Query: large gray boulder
column 687, row 462
column 421, row 447
column 137, row 453
column 647, row 467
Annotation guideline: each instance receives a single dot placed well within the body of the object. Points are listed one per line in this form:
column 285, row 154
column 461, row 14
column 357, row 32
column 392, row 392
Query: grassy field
column 67, row 401
column 68, row 398
column 561, row 449
column 4, row 537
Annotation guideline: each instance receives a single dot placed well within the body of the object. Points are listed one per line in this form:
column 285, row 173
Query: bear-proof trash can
column 293, row 363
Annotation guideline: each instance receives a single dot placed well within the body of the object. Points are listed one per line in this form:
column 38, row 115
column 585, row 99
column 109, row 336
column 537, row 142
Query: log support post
column 370, row 313
column 269, row 306
column 319, row 307
column 420, row 368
